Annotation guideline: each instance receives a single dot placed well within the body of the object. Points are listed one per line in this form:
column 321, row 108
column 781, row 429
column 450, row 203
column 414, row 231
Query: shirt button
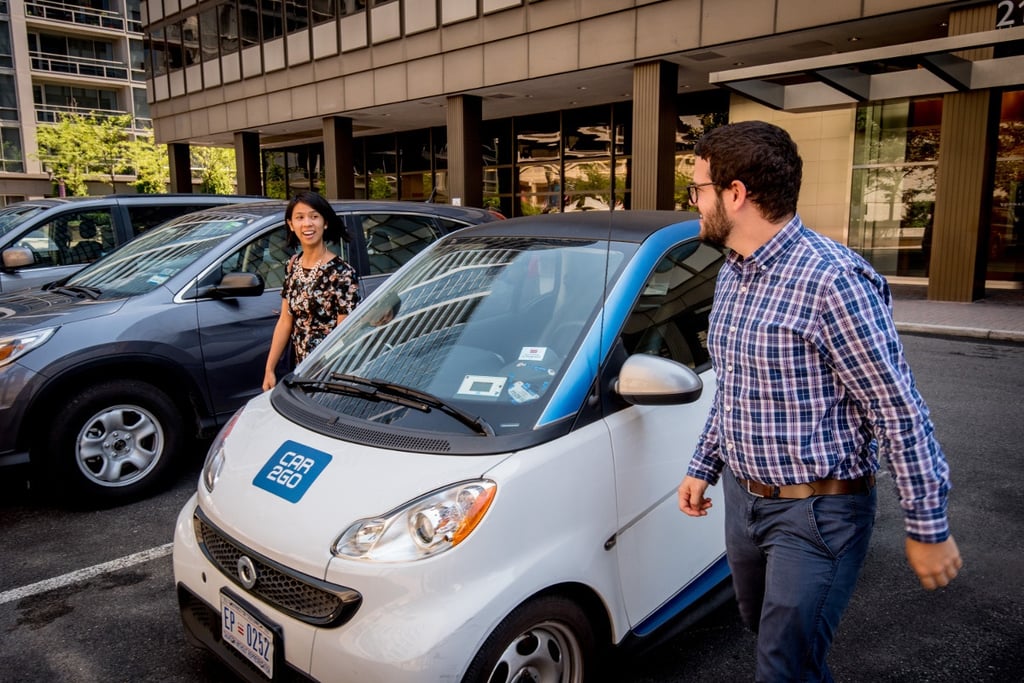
column 729, row 445
column 732, row 328
column 728, row 408
column 728, row 368
column 743, row 288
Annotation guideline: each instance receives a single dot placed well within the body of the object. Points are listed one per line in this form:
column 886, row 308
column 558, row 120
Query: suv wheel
column 114, row 442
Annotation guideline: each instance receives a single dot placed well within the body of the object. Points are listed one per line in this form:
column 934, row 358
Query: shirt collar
column 777, row 247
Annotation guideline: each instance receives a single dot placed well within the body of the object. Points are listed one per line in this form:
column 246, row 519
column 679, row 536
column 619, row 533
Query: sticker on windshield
column 533, row 353
column 291, row 470
column 481, row 385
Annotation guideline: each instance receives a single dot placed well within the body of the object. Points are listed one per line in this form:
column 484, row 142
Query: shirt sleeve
column 860, row 340
column 706, row 462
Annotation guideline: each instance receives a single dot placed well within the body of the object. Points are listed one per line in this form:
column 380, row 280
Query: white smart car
column 474, row 478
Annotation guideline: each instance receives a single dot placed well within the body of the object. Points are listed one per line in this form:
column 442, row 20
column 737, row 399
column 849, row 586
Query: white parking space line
column 87, row 573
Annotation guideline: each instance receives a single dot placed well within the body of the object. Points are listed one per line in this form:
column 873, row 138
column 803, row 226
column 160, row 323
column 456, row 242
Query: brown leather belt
column 822, row 487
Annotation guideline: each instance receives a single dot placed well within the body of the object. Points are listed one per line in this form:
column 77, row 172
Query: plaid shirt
column 811, row 378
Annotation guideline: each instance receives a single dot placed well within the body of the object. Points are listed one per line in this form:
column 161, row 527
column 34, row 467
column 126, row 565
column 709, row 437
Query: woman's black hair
column 334, row 230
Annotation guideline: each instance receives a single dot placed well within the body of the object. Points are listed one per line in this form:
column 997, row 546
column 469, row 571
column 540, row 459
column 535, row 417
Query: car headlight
column 215, row 456
column 424, row 527
column 12, row 348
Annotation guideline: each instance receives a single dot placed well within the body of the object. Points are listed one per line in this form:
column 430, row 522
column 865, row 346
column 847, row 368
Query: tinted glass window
column 393, row 239
column 266, row 256
column 670, row 319
column 70, row 238
column 145, row 217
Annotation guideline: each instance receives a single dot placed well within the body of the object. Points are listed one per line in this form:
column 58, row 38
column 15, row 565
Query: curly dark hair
column 334, row 230
column 760, row 155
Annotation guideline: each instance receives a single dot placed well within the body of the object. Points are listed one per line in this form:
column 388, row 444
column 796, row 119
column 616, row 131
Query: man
column 812, row 388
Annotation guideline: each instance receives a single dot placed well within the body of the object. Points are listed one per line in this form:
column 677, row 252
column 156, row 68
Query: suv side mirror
column 232, row 285
column 648, row 380
column 18, row 257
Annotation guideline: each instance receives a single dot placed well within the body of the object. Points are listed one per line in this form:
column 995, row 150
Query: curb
column 954, row 331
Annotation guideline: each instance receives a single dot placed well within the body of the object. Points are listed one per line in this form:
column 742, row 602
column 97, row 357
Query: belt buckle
column 746, row 484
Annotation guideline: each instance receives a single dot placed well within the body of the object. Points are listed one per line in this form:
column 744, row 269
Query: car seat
column 86, row 249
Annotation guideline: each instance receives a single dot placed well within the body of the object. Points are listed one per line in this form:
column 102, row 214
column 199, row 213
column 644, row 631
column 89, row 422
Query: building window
column 227, row 22
column 296, row 14
column 347, row 7
column 271, row 19
column 11, row 160
column 896, row 148
column 249, row 20
column 1006, row 236
column 8, row 98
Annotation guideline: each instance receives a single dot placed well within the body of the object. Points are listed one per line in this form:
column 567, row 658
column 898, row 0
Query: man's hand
column 936, row 564
column 691, row 497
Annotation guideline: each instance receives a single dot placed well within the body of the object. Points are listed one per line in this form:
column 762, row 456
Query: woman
column 320, row 289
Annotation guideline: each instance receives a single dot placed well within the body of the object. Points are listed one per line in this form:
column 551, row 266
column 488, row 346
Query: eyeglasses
column 693, row 191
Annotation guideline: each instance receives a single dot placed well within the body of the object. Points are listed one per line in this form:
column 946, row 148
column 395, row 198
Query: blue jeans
column 794, row 567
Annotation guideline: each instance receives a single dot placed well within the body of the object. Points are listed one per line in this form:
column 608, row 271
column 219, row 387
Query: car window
column 266, row 256
column 144, row 217
column 71, row 238
column 670, row 319
column 155, row 257
column 393, row 239
column 450, row 225
column 14, row 216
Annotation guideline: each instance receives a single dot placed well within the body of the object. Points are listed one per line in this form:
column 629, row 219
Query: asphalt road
column 120, row 623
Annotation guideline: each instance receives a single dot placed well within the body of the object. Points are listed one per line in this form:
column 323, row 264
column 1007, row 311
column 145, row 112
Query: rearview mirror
column 648, row 380
column 233, row 284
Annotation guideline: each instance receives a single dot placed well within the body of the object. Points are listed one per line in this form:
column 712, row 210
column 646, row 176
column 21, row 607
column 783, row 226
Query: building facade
column 909, row 114
column 56, row 56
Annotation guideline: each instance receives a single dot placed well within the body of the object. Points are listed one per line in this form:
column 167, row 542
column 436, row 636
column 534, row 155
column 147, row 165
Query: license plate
column 247, row 635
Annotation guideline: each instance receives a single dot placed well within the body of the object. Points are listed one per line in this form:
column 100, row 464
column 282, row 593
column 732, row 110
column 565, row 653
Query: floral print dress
column 316, row 297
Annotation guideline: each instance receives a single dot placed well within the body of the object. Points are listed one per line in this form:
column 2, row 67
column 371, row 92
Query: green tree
column 150, row 164
column 216, row 167
column 82, row 147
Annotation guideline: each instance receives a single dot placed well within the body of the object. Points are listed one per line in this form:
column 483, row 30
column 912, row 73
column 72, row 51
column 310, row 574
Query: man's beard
column 716, row 227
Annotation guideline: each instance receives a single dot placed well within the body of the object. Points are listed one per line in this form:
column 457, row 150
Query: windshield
column 485, row 325
column 156, row 256
column 13, row 216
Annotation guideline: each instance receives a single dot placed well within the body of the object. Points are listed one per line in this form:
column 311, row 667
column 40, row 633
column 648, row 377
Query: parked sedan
column 106, row 376
column 474, row 477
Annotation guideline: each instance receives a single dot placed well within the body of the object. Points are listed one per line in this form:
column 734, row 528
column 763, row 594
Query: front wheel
column 113, row 442
column 546, row 640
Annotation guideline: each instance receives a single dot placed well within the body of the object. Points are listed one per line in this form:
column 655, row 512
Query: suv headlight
column 12, row 348
column 421, row 528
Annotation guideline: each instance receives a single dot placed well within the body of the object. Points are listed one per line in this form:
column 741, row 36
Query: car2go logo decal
column 291, row 470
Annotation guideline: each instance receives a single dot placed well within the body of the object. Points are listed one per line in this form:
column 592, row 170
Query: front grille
column 303, row 597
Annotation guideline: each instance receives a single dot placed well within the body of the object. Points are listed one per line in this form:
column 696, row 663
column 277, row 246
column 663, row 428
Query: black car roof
column 620, row 226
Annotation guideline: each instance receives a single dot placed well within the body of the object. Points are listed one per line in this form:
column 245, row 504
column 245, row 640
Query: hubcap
column 547, row 653
column 119, row 445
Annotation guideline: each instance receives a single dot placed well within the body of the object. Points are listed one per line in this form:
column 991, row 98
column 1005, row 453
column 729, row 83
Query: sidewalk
column 997, row 317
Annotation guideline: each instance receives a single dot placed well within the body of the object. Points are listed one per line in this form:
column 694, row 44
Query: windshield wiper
column 78, row 290
column 376, row 390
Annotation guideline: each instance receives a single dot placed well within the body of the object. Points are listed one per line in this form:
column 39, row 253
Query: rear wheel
column 546, row 640
column 113, row 442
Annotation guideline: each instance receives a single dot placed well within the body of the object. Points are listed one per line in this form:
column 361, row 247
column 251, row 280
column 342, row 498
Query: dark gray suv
column 108, row 375
column 42, row 240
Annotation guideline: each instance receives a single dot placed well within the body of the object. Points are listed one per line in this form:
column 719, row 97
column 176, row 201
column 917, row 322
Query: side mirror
column 18, row 257
column 648, row 380
column 232, row 285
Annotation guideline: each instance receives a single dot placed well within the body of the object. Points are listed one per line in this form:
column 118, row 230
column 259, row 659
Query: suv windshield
column 13, row 216
column 155, row 257
column 485, row 326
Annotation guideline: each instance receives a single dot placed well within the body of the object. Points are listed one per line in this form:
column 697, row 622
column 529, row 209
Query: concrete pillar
column 465, row 157
column 180, row 158
column 963, row 191
column 247, row 163
column 654, row 135
column 339, row 169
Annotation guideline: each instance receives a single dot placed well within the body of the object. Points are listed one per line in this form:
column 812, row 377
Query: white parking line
column 87, row 573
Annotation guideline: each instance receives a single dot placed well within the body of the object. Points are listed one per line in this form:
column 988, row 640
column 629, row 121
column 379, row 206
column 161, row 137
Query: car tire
column 547, row 640
column 112, row 443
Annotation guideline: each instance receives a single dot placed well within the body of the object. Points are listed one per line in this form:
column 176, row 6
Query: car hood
column 41, row 308
column 358, row 482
